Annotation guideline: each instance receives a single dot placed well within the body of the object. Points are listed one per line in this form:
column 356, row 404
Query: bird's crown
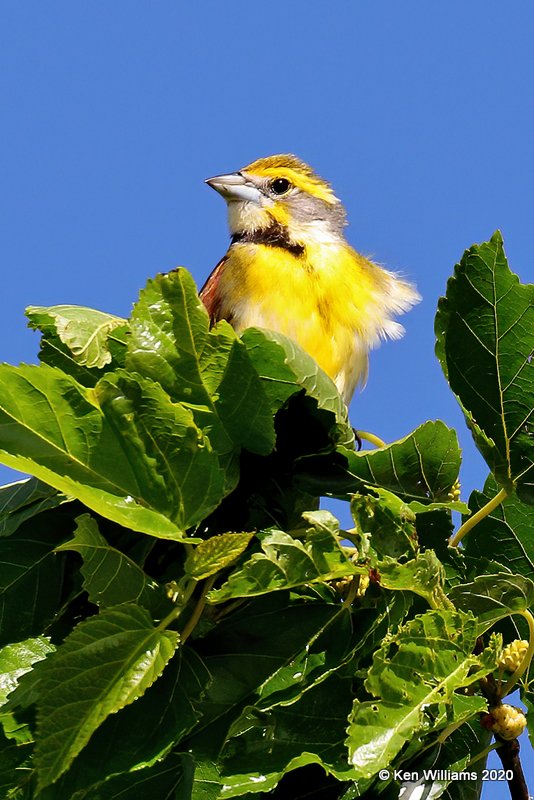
column 294, row 170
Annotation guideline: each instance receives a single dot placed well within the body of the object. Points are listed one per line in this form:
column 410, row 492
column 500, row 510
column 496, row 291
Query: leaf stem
column 197, row 611
column 480, row 514
column 527, row 658
column 370, row 437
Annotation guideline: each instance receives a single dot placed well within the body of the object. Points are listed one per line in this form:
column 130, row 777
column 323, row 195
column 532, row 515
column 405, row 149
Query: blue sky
column 420, row 114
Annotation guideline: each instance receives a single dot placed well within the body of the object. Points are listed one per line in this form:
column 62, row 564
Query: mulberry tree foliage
column 180, row 620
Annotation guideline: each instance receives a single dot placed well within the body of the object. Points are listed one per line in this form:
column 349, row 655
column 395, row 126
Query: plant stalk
column 476, row 518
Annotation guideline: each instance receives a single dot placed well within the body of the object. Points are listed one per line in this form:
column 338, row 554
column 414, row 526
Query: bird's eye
column 280, row 186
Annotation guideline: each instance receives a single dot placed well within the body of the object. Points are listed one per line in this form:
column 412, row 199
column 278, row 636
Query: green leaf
column 123, row 449
column 110, row 577
column 31, row 576
column 423, row 575
column 13, row 770
column 286, row 561
column 107, row 662
column 23, row 500
column 326, row 651
column 506, row 534
column 244, row 650
column 215, row 554
column 285, row 369
column 142, row 733
column 209, row 371
column 422, row 466
column 85, row 331
column 17, row 659
column 485, row 341
column 207, row 784
column 494, row 597
column 387, row 521
column 414, row 677
column 170, row 779
column 263, row 746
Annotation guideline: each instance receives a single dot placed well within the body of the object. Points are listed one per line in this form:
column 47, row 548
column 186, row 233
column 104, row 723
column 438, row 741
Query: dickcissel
column 290, row 269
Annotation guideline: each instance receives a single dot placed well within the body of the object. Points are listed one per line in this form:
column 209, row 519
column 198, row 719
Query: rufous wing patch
column 209, row 294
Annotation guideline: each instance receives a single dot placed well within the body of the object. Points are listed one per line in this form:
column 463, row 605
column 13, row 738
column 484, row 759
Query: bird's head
column 279, row 190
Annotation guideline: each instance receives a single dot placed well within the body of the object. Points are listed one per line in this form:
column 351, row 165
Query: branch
column 509, row 754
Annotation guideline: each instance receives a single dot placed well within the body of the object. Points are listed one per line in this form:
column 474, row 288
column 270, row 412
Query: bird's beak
column 235, row 187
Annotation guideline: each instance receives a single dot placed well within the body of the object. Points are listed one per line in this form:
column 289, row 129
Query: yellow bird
column 290, row 269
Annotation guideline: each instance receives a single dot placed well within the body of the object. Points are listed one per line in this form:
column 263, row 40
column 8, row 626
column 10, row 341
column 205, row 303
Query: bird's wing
column 209, row 293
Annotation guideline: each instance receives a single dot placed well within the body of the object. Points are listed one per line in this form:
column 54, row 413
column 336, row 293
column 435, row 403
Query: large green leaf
column 170, row 779
column 243, row 651
column 24, row 499
column 485, row 341
column 107, row 662
column 17, row 659
column 310, row 554
column 123, row 449
column 285, row 368
column 209, row 371
column 143, row 732
column 31, row 576
column 110, row 577
column 494, row 597
column 506, row 534
column 414, row 677
column 422, row 467
column 84, row 331
column 263, row 746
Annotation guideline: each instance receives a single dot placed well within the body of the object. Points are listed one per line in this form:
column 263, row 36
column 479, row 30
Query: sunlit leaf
column 17, row 659
column 216, row 553
column 485, row 342
column 106, row 663
column 291, row 559
column 414, row 678
column 110, row 577
column 85, row 331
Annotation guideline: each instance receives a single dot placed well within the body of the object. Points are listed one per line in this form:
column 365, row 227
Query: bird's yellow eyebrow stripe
column 306, row 183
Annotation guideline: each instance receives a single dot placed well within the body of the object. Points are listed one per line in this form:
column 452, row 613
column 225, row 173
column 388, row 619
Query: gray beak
column 235, row 186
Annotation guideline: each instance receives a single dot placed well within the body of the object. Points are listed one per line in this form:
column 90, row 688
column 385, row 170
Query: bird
column 290, row 269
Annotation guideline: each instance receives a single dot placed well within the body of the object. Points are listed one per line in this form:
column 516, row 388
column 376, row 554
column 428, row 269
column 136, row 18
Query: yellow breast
column 324, row 299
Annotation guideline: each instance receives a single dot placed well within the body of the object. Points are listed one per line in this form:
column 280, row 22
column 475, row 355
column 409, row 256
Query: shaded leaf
column 285, row 368
column 170, row 779
column 286, row 561
column 263, row 746
column 17, row 659
column 106, row 663
column 422, row 466
column 485, row 341
column 110, row 577
column 22, row 500
column 243, row 651
column 507, row 533
column 414, row 677
column 31, row 576
column 85, row 331
column 216, row 553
